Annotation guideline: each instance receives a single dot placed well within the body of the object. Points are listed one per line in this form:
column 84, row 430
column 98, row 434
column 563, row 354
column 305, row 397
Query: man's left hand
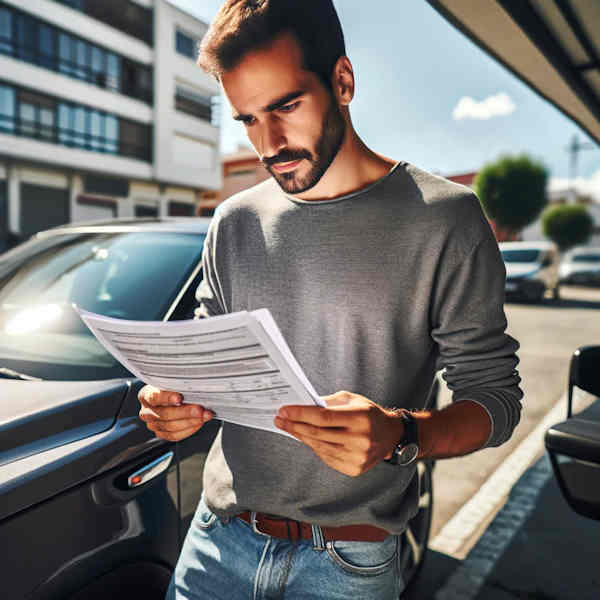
column 351, row 435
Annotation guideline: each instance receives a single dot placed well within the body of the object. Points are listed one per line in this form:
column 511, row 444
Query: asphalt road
column 549, row 333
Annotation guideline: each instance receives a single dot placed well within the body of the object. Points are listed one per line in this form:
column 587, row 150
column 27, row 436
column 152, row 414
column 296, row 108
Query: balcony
column 124, row 15
column 28, row 39
column 29, row 114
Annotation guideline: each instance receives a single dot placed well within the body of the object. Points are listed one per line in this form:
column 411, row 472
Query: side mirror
column 546, row 262
column 584, row 373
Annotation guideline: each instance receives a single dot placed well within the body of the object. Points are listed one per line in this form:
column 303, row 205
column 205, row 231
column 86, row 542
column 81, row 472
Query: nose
column 272, row 138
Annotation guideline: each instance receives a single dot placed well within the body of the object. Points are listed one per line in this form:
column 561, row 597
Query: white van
column 531, row 269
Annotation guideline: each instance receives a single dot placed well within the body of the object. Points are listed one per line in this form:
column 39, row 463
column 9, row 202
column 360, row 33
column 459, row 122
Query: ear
column 342, row 81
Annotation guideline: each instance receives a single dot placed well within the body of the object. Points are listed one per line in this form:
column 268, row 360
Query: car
column 581, row 266
column 573, row 445
column 531, row 269
column 92, row 504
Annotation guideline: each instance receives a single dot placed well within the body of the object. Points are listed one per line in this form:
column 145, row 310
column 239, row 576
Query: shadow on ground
column 436, row 570
column 550, row 554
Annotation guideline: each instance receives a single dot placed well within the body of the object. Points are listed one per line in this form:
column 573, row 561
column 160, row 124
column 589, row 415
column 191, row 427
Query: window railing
column 72, row 138
column 53, row 61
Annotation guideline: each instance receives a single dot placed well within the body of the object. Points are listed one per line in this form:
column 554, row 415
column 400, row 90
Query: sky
column 426, row 94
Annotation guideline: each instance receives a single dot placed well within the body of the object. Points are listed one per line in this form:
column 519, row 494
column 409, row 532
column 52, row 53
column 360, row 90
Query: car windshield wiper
column 10, row 374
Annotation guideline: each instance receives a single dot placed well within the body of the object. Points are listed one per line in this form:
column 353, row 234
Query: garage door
column 42, row 207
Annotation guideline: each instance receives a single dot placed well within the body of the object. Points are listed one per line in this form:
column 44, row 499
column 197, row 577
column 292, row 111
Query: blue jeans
column 227, row 560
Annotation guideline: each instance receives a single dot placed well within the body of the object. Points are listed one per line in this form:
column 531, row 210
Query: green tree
column 512, row 192
column 567, row 225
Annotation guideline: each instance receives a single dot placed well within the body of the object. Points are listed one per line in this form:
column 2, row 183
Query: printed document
column 238, row 365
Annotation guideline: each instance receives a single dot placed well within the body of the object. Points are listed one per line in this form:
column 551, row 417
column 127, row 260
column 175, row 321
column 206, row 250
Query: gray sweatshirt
column 374, row 292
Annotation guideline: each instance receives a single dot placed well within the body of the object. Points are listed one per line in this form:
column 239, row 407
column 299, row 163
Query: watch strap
column 411, row 435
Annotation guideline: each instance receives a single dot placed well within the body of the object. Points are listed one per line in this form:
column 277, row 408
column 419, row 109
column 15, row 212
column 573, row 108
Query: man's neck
column 355, row 167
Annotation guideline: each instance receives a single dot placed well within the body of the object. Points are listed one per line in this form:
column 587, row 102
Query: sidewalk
column 536, row 548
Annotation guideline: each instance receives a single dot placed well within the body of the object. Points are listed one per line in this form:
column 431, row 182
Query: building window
column 7, row 109
column 36, row 116
column 47, row 47
column 6, row 31
column 113, row 71
column 195, row 104
column 181, row 209
column 136, row 80
column 26, row 37
column 111, row 132
column 42, row 117
column 76, row 4
column 134, row 139
column 42, row 44
column 185, row 44
column 124, row 15
column 88, row 128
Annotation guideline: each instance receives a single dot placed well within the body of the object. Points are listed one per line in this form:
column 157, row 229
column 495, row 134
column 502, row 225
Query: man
column 378, row 274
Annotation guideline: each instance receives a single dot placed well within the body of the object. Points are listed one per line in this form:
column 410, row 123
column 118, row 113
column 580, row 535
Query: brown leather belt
column 288, row 529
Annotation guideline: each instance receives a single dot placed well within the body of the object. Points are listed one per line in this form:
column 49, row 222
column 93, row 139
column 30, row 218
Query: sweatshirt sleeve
column 469, row 324
column 209, row 293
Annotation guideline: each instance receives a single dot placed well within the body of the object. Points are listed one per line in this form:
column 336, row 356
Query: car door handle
column 151, row 470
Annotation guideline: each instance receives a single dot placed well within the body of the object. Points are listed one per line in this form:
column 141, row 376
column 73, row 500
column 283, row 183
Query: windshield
column 520, row 256
column 593, row 258
column 132, row 275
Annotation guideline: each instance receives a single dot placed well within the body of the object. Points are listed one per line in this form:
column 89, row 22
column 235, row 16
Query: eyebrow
column 274, row 105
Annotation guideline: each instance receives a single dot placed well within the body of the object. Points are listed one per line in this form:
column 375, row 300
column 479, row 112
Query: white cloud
column 493, row 106
column 587, row 187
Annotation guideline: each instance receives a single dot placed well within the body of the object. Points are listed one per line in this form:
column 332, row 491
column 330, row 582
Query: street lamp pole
column 574, row 148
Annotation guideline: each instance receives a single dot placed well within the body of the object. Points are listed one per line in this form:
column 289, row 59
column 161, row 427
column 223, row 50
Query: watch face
column 408, row 454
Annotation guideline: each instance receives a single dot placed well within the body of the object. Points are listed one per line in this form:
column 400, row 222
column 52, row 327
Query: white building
column 103, row 112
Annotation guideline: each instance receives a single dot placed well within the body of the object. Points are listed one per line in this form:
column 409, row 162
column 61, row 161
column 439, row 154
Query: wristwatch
column 406, row 451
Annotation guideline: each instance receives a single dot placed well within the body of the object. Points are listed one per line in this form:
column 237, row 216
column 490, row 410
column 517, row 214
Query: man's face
column 292, row 120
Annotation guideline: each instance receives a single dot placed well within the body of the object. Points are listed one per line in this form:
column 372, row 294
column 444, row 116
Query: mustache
column 286, row 156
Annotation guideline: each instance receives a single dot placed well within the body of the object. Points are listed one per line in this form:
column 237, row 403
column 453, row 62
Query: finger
column 315, row 415
column 152, row 396
column 328, row 434
column 173, row 413
column 323, row 449
column 175, row 426
column 341, row 465
column 176, row 436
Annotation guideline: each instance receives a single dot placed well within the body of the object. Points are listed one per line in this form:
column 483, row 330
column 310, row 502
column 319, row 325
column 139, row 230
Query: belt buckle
column 253, row 523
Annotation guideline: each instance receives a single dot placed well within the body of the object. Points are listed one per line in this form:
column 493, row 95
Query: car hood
column 36, row 416
column 520, row 269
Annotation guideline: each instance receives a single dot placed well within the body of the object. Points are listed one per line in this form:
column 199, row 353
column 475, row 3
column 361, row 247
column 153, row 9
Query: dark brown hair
column 245, row 25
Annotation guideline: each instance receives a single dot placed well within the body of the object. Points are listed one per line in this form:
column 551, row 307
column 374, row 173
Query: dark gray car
column 92, row 504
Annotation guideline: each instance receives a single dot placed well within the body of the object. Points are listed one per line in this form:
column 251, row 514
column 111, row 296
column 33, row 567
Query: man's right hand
column 165, row 413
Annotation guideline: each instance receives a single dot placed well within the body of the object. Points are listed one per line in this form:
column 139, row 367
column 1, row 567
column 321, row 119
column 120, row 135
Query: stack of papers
column 237, row 365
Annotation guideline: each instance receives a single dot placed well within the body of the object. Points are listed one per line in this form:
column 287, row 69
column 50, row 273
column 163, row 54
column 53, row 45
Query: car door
column 192, row 451
column 72, row 526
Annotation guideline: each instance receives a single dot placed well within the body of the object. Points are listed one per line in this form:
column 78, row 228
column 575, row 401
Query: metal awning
column 551, row 45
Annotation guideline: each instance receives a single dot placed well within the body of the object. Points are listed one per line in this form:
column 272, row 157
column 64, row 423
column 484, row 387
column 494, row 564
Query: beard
column 328, row 145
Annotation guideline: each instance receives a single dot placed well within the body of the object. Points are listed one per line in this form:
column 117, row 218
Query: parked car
column 581, row 266
column 531, row 269
column 574, row 444
column 92, row 504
